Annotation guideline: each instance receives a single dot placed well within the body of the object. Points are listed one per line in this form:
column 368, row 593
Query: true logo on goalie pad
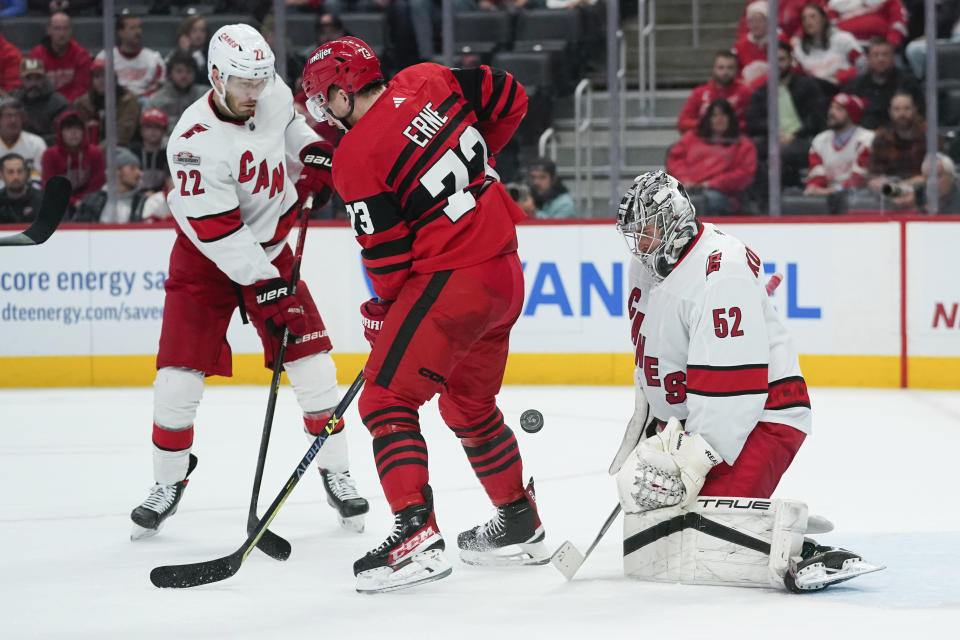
column 735, row 503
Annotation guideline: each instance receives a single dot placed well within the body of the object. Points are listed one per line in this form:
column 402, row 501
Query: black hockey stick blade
column 271, row 544
column 53, row 206
column 181, row 576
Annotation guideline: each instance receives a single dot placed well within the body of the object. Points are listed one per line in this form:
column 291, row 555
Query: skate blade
column 422, row 568
column 142, row 533
column 513, row 555
column 353, row 523
column 567, row 559
column 818, row 577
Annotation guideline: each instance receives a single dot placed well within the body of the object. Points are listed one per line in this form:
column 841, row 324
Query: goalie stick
column 53, row 206
column 567, row 559
column 194, row 574
column 272, row 544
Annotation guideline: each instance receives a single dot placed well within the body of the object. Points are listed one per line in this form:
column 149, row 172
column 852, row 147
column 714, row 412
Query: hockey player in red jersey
column 233, row 156
column 721, row 410
column 439, row 243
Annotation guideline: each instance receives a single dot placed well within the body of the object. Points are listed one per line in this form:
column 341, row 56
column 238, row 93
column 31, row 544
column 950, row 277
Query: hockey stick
column 272, row 544
column 53, row 206
column 568, row 559
column 191, row 575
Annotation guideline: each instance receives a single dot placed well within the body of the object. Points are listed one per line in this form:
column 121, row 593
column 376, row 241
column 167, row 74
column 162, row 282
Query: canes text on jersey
column 425, row 125
column 674, row 383
column 265, row 178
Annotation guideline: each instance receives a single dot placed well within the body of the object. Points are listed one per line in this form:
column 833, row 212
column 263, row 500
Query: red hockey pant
column 764, row 459
column 448, row 333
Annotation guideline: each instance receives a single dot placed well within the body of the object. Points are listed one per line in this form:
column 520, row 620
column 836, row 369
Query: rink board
column 85, row 308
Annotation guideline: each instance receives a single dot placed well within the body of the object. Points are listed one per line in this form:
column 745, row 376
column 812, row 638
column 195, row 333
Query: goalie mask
column 657, row 221
column 239, row 52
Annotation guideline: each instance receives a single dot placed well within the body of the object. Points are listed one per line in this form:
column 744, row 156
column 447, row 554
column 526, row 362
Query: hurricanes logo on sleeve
column 713, row 262
column 197, row 128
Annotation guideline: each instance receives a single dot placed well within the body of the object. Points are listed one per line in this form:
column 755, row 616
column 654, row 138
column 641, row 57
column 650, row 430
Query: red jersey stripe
column 787, row 393
column 217, row 225
column 727, row 381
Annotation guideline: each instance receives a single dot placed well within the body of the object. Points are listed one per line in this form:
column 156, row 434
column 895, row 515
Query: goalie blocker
column 735, row 541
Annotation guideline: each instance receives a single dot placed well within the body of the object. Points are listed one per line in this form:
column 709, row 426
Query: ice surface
column 73, row 463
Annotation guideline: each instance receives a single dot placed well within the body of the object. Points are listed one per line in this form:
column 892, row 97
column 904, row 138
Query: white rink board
column 933, row 289
column 837, row 300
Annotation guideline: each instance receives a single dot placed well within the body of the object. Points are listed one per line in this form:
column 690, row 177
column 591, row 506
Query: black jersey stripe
column 390, row 268
column 499, row 80
column 412, row 146
column 510, row 98
column 409, row 327
column 388, row 248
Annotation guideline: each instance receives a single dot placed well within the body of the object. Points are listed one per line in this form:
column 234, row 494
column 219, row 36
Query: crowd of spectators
column 850, row 109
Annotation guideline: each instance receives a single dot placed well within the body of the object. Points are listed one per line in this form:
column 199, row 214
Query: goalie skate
column 824, row 566
column 513, row 537
column 342, row 495
column 412, row 554
column 159, row 505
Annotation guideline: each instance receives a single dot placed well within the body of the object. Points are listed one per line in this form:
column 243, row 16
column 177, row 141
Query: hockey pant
column 448, row 333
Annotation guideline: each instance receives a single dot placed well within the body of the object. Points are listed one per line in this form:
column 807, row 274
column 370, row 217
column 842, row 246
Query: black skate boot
column 342, row 495
column 412, row 554
column 514, row 536
column 822, row 566
column 159, row 505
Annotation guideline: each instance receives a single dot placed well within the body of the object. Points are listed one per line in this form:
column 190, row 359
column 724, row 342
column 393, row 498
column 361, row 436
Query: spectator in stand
column 751, row 49
column 130, row 199
column 152, row 150
column 91, row 107
column 840, row 156
column 788, row 18
column 715, row 159
column 948, row 195
column 181, row 89
column 802, row 109
column 879, row 82
column 139, row 70
column 13, row 8
column 67, row 63
column 948, row 30
column 550, row 195
column 74, row 157
column 19, row 199
column 41, row 104
column 328, row 27
column 724, row 84
column 867, row 19
column 193, row 38
column 825, row 52
column 896, row 157
column 13, row 139
column 10, row 58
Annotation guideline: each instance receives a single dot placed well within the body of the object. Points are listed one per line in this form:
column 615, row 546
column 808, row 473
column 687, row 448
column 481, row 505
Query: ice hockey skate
column 513, row 537
column 822, row 566
column 342, row 495
column 159, row 505
column 412, row 554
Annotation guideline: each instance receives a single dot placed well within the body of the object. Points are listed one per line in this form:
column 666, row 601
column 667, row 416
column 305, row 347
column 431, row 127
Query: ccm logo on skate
column 412, row 544
column 275, row 294
column 316, row 335
column 758, row 505
column 431, row 375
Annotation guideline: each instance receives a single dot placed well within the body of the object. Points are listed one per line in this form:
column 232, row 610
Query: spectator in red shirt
column 10, row 58
column 72, row 156
column 751, row 48
column 715, row 159
column 724, row 84
column 788, row 18
column 67, row 63
column 866, row 19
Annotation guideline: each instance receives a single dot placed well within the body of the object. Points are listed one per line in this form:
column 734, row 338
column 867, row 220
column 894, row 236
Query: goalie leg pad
column 721, row 541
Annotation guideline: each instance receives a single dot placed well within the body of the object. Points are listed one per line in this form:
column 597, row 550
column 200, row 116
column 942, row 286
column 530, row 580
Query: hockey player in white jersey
column 721, row 410
column 234, row 156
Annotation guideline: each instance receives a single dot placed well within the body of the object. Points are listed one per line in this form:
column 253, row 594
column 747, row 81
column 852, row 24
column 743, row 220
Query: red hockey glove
column 316, row 177
column 373, row 311
column 280, row 308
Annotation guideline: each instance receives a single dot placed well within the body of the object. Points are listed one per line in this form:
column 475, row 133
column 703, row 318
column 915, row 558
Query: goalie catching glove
column 316, row 176
column 665, row 470
column 280, row 308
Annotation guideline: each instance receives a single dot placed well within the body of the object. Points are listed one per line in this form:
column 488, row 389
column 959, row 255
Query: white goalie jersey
column 710, row 348
column 234, row 194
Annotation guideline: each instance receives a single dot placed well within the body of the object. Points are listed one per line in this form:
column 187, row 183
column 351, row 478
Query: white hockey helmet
column 239, row 50
column 657, row 220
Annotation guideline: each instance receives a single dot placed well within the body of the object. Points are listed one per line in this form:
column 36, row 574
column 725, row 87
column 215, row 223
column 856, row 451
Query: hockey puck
column 531, row 421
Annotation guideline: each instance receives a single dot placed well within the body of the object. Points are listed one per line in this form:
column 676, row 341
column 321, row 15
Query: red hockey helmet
column 347, row 62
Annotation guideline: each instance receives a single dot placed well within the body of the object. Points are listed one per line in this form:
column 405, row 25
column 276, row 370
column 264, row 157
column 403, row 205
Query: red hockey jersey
column 414, row 173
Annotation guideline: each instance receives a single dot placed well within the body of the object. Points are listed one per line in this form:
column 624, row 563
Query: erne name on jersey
column 425, row 125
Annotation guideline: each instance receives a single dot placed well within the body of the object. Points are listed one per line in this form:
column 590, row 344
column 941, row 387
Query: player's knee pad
column 380, row 407
column 723, row 541
column 314, row 381
column 459, row 412
column 176, row 395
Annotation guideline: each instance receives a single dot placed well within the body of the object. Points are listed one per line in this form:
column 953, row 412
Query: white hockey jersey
column 709, row 347
column 141, row 74
column 234, row 193
column 840, row 166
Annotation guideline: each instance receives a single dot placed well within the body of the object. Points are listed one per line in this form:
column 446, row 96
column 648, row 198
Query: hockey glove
column 280, row 308
column 373, row 311
column 316, row 177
